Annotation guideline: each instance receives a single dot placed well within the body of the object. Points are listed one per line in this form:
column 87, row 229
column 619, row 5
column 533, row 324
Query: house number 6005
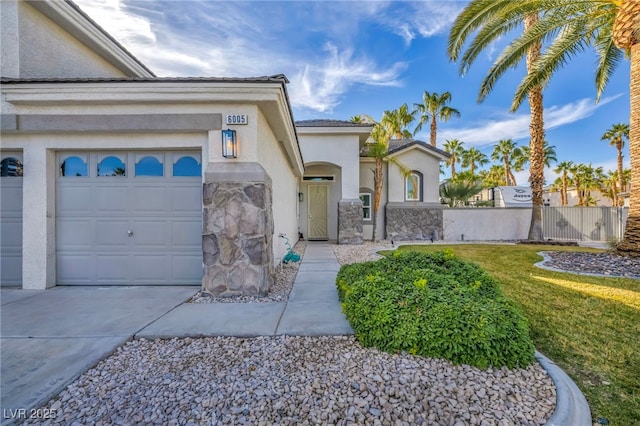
column 236, row 119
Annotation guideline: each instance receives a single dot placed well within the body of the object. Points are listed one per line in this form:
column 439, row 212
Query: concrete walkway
column 50, row 337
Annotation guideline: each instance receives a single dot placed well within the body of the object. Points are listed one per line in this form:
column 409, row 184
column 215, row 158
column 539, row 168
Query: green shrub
column 434, row 305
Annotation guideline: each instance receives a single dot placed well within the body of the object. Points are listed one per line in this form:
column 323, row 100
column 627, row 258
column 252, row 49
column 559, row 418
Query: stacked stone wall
column 350, row 222
column 413, row 222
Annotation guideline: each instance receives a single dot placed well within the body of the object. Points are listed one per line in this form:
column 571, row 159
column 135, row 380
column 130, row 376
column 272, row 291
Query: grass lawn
column 589, row 326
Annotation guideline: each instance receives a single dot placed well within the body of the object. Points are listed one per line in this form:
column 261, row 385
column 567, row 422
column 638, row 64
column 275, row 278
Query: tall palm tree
column 564, row 168
column 505, row 151
column 616, row 135
column 434, row 107
column 397, row 121
column 473, row 158
column 490, row 20
column 612, row 28
column 454, row 147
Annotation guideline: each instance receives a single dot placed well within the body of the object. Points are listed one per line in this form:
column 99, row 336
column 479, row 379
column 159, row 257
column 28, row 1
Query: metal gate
column 584, row 223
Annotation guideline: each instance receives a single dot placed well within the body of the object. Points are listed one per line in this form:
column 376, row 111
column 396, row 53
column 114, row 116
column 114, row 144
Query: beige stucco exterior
column 54, row 39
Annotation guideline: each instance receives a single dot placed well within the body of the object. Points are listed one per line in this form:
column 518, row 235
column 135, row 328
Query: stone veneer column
column 237, row 234
column 413, row 221
column 350, row 222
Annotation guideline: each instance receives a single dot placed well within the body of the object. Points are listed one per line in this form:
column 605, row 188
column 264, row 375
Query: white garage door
column 11, row 219
column 129, row 218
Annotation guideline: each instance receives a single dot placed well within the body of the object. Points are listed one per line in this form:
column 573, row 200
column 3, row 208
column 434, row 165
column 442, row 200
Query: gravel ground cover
column 296, row 381
column 593, row 263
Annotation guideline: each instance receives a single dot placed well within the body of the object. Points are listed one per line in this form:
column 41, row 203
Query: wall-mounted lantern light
column 229, row 144
column 300, row 196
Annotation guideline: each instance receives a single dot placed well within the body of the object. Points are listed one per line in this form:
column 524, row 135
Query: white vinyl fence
column 584, row 223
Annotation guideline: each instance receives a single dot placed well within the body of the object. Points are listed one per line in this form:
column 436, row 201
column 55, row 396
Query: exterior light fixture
column 300, row 196
column 229, row 144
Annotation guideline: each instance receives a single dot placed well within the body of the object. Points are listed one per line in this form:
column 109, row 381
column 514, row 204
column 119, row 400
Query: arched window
column 187, row 166
column 73, row 166
column 11, row 167
column 413, row 187
column 112, row 166
column 149, row 166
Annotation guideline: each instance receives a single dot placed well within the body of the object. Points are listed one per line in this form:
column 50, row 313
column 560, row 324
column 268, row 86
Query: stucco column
column 38, row 218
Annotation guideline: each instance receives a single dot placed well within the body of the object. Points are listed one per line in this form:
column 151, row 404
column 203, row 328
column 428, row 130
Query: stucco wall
column 284, row 186
column 44, row 49
column 418, row 160
column 486, row 224
column 341, row 150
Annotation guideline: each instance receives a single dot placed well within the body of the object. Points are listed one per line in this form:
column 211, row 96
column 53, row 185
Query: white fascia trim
column 89, row 33
column 421, row 148
column 113, row 92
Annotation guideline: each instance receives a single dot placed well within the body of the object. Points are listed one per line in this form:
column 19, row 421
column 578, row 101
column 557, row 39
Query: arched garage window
column 111, row 166
column 11, row 167
column 149, row 165
column 413, row 187
column 74, row 166
column 187, row 166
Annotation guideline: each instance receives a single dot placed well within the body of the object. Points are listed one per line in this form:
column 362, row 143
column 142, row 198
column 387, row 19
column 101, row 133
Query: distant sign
column 514, row 196
column 236, row 119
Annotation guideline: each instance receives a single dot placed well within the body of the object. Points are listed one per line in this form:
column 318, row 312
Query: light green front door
column 318, row 217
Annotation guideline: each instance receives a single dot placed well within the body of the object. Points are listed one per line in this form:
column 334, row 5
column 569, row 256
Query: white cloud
column 517, row 126
column 421, row 19
column 195, row 39
column 319, row 86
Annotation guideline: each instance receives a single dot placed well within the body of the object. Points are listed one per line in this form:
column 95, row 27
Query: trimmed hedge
column 434, row 305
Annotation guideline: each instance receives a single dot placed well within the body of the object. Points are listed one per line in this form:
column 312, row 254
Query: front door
column 318, row 217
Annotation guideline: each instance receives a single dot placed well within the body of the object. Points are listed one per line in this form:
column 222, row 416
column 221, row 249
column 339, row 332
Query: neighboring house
column 112, row 176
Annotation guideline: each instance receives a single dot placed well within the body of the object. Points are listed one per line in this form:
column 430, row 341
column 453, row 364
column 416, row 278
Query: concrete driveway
column 50, row 337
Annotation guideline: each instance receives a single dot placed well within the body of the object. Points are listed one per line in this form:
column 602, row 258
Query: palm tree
column 454, row 147
column 434, row 107
column 397, row 121
column 610, row 188
column 564, row 168
column 378, row 149
column 506, row 150
column 548, row 153
column 473, row 158
column 612, row 28
column 616, row 136
column 458, row 193
column 492, row 19
column 362, row 119
column 493, row 177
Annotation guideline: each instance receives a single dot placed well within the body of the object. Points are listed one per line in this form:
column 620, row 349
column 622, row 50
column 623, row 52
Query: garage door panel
column 186, row 199
column 75, row 233
column 11, row 199
column 11, row 234
column 149, row 199
column 11, row 268
column 113, row 268
column 112, row 199
column 150, row 233
column 75, row 200
column 187, row 269
column 112, row 233
column 152, row 269
column 76, row 268
column 187, row 233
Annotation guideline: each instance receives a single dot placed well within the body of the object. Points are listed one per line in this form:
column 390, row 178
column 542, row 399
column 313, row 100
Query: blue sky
column 345, row 58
